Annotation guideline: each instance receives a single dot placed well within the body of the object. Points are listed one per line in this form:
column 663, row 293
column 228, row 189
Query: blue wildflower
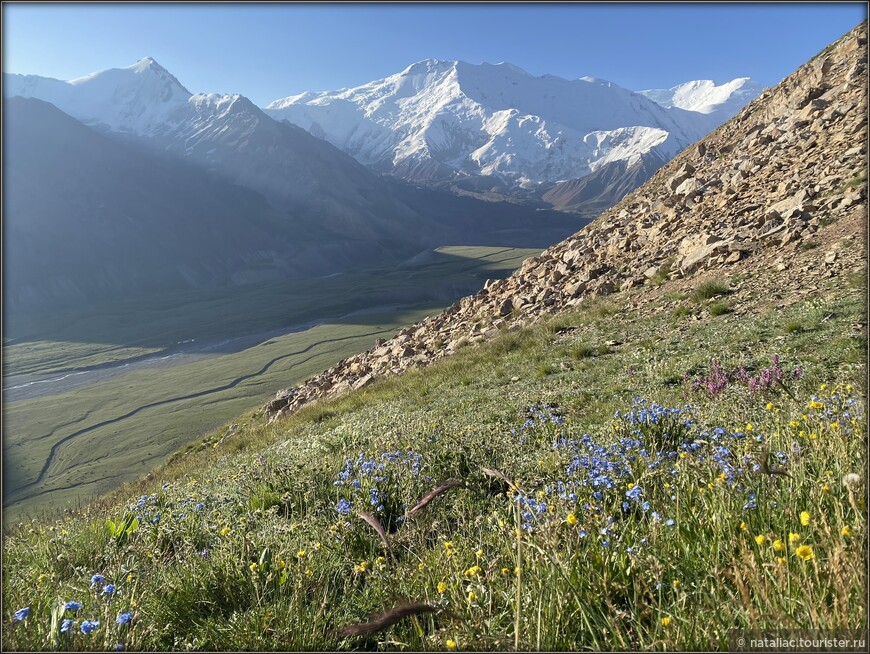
column 97, row 579
column 343, row 506
column 72, row 606
column 670, row 522
column 109, row 589
column 20, row 614
column 119, row 647
column 65, row 626
column 125, row 618
column 88, row 626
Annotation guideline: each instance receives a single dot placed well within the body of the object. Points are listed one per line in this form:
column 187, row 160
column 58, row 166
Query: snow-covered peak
column 138, row 99
column 706, row 97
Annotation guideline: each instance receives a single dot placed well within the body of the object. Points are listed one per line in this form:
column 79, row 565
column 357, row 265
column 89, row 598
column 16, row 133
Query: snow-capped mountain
column 439, row 120
column 705, row 97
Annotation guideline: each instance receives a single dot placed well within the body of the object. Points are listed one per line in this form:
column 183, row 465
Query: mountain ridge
column 762, row 185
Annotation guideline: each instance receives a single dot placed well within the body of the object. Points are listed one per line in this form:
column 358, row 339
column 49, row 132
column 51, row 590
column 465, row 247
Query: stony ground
column 776, row 197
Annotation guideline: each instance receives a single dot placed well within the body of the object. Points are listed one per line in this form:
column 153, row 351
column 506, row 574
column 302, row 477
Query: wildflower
column 472, row 596
column 253, row 567
column 109, row 590
column 781, row 560
column 65, row 625
column 676, row 583
column 88, row 626
column 851, row 480
column 571, row 519
column 743, row 526
column 119, row 647
column 815, row 405
column 97, row 579
column 124, row 618
column 300, row 554
column 308, row 572
column 505, row 571
column 479, row 554
column 72, row 606
column 778, row 545
column 442, row 587
column 826, row 488
column 451, row 644
column 343, row 506
column 805, row 552
column 473, row 571
column 670, row 522
column 805, row 518
column 666, row 621
column 20, row 614
column 225, row 531
column 834, row 425
column 421, row 567
column 793, row 537
column 823, row 387
column 769, row 406
column 760, row 539
column 846, row 531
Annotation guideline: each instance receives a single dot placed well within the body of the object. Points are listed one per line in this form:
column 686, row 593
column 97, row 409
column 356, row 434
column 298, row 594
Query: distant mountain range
column 444, row 122
column 124, row 181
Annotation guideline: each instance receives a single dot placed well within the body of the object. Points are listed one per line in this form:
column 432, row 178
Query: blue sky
column 269, row 51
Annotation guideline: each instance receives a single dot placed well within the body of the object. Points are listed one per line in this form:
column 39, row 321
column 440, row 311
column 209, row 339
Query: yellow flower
column 571, row 519
column 846, row 531
column 666, row 621
column 517, row 570
column 813, row 436
column 473, row 571
column 308, row 572
column 472, row 596
column 442, row 587
column 815, row 405
column 748, row 426
column 479, row 554
column 683, row 455
column 505, row 571
column 676, row 583
column 834, row 425
column 380, row 560
column 805, row 518
column 300, row 554
column 253, row 567
column 793, row 537
column 451, row 644
column 778, row 545
column 421, row 567
column 794, row 423
column 769, row 406
column 781, row 560
column 448, row 545
column 316, row 547
column 743, row 526
column 805, row 552
column 823, row 387
column 760, row 539
column 225, row 531
column 282, row 564
column 826, row 488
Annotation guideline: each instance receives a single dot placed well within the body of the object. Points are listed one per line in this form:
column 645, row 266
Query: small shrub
column 809, row 245
column 709, row 290
column 720, row 309
column 793, row 326
column 681, row 311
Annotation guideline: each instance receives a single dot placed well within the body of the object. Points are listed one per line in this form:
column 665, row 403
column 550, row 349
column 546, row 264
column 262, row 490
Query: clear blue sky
column 269, row 51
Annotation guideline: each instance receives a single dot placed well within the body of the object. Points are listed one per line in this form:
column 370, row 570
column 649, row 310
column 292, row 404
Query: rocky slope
column 777, row 195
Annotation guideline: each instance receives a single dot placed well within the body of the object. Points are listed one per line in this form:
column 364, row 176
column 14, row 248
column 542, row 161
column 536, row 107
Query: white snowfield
column 468, row 119
column 499, row 120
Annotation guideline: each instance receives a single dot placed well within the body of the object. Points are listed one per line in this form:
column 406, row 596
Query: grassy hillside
column 629, row 475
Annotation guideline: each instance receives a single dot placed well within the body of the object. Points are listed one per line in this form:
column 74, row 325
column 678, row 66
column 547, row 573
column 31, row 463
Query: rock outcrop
column 750, row 197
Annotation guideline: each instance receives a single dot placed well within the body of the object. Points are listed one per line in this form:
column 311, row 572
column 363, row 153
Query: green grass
column 720, row 309
column 267, row 562
column 709, row 290
column 97, row 461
